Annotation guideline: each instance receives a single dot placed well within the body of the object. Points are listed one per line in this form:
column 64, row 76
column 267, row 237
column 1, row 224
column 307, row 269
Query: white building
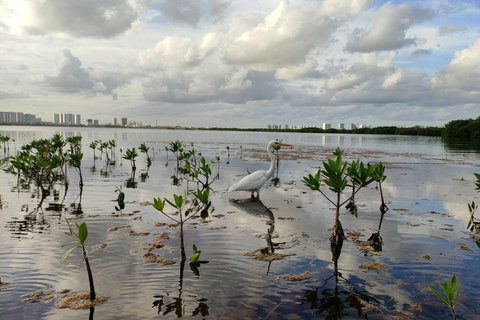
column 326, row 126
column 78, row 119
column 341, row 126
column 56, row 118
column 114, row 121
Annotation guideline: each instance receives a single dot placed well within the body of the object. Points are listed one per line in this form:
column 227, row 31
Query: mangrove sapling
column 80, row 238
column 75, row 156
column 144, row 149
column 131, row 155
column 336, row 175
column 112, row 145
column 187, row 209
column 93, row 145
column 191, row 204
column 176, row 147
column 195, row 261
column 37, row 162
column 451, row 294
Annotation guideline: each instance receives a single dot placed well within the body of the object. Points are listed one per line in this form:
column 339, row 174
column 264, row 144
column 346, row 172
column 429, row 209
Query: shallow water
column 427, row 188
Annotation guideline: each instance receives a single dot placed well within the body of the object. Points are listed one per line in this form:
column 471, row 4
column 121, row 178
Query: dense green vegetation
column 462, row 129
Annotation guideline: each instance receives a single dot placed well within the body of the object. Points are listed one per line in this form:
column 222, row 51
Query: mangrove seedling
column 451, row 294
column 93, row 145
column 131, row 155
column 143, row 148
column 337, row 174
column 80, row 238
column 187, row 209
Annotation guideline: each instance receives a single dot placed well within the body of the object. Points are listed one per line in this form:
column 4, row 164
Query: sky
column 245, row 63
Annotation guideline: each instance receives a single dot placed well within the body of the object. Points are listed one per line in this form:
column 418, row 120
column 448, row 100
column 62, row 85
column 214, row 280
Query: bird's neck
column 272, row 163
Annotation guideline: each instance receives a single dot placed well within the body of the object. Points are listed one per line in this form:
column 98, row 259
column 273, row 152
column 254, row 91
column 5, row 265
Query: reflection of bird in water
column 257, row 208
column 254, row 181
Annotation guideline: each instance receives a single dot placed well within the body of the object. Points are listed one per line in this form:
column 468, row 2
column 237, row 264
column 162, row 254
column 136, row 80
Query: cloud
column 70, row 77
column 214, row 82
column 451, row 29
column 389, row 28
column 420, row 52
column 191, row 12
column 79, row 18
column 287, row 35
column 179, row 52
column 4, row 95
column 461, row 75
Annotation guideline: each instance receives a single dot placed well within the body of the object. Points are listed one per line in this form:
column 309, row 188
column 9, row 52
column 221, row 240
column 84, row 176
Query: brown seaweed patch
column 426, row 256
column 160, row 224
column 299, row 277
column 138, row 234
column 165, row 262
column 118, row 228
column 4, row 285
column 463, row 246
column 79, row 300
column 40, row 296
column 373, row 266
column 217, row 228
column 286, row 218
column 264, row 255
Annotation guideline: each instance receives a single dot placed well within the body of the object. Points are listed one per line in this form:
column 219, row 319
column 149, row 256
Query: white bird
column 255, row 180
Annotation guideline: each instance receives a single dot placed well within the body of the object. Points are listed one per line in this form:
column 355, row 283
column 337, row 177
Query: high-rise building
column 69, row 119
column 78, row 119
column 124, row 122
column 56, row 118
column 326, row 126
column 114, row 122
column 341, row 126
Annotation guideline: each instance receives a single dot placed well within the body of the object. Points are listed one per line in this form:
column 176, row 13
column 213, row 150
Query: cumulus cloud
column 179, row 52
column 192, row 11
column 81, row 18
column 287, row 35
column 69, row 76
column 389, row 28
column 210, row 83
column 462, row 73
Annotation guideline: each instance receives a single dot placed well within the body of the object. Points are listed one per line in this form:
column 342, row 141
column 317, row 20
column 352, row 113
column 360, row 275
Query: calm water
column 427, row 190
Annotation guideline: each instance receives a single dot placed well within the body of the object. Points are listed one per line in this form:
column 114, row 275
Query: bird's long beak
column 285, row 145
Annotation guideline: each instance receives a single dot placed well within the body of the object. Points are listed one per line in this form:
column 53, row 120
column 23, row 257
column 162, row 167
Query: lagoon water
column 425, row 236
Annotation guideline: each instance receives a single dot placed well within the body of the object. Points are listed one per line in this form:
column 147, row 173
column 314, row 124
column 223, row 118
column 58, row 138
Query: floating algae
column 300, row 277
column 79, row 300
column 264, row 255
column 40, row 296
column 375, row 266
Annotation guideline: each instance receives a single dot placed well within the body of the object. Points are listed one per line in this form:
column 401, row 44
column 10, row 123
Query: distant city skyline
column 11, row 117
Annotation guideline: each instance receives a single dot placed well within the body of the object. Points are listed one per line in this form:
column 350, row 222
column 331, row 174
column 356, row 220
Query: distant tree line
column 462, row 129
column 415, row 131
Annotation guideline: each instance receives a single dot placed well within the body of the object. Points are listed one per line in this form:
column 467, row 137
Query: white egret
column 255, row 180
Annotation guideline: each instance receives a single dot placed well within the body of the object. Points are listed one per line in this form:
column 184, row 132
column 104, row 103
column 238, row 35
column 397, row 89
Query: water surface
column 427, row 190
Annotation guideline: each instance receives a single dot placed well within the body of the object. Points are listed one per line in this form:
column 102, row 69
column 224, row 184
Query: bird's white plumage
column 254, row 181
